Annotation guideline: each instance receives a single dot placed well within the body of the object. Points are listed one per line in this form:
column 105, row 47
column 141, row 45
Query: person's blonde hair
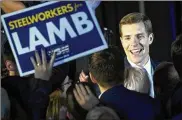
column 136, row 79
column 55, row 103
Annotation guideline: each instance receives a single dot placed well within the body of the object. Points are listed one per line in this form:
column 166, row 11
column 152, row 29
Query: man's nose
column 134, row 41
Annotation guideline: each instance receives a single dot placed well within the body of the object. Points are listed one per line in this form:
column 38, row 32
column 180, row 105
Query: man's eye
column 127, row 38
column 140, row 36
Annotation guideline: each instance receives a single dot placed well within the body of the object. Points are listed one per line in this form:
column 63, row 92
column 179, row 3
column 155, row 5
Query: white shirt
column 148, row 67
column 100, row 95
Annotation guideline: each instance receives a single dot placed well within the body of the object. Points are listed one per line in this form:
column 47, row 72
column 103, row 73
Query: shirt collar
column 100, row 95
column 147, row 66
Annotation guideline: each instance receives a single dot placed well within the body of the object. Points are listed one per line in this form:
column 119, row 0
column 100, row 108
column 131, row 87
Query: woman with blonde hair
column 55, row 105
column 136, row 79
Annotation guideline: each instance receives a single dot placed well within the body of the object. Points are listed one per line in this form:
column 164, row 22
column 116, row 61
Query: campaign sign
column 68, row 27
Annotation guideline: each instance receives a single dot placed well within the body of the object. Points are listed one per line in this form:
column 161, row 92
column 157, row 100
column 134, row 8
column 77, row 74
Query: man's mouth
column 136, row 51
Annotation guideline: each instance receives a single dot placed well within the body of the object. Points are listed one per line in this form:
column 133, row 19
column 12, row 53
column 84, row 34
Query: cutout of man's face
column 135, row 41
column 10, row 65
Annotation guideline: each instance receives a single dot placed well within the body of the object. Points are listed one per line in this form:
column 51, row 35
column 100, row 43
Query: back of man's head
column 176, row 53
column 165, row 76
column 102, row 113
column 136, row 79
column 107, row 67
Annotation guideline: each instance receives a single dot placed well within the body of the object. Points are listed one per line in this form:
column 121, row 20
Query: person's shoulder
column 145, row 101
column 141, row 97
column 114, row 92
column 10, row 78
column 154, row 63
column 120, row 91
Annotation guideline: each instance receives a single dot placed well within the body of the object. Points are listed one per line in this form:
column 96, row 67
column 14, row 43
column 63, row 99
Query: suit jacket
column 131, row 105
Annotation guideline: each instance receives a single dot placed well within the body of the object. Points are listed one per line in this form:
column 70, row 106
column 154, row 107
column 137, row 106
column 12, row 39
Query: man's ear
column 10, row 65
column 92, row 78
column 151, row 38
column 120, row 39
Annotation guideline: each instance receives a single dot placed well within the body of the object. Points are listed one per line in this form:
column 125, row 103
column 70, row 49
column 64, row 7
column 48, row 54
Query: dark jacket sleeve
column 39, row 98
column 40, row 90
column 59, row 73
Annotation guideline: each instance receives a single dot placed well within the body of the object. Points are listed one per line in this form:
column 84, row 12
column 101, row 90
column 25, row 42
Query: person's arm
column 39, row 96
column 43, row 71
column 11, row 6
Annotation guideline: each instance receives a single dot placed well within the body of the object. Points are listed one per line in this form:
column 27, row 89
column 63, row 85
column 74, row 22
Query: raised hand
column 83, row 77
column 85, row 97
column 43, row 69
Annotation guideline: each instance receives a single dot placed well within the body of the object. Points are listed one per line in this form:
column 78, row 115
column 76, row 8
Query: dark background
column 165, row 17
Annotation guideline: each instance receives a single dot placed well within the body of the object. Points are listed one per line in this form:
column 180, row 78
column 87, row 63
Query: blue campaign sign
column 68, row 27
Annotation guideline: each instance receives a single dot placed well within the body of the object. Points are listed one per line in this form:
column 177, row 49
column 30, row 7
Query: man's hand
column 83, row 77
column 43, row 70
column 9, row 6
column 85, row 97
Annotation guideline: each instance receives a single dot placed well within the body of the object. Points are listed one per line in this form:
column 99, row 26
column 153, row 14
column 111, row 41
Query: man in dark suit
column 176, row 98
column 107, row 69
column 136, row 36
column 176, row 53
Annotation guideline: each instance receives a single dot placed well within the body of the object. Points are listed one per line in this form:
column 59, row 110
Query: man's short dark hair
column 136, row 18
column 176, row 53
column 107, row 66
